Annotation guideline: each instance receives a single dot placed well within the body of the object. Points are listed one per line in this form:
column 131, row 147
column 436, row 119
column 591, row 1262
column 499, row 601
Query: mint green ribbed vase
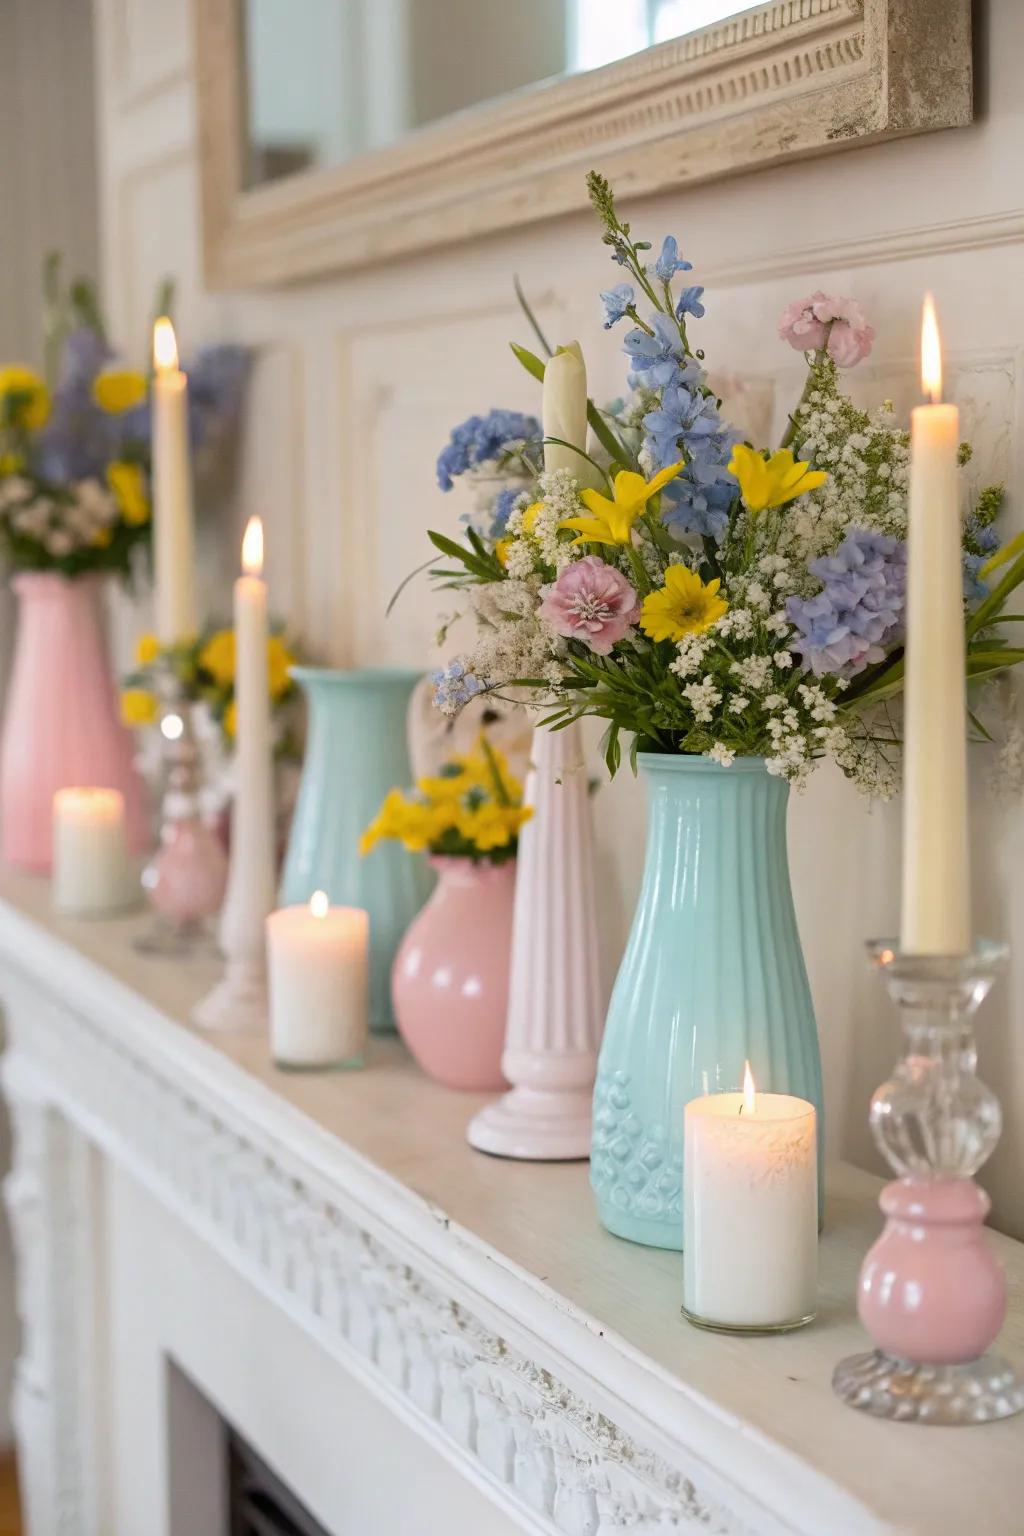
column 713, row 976
column 355, row 752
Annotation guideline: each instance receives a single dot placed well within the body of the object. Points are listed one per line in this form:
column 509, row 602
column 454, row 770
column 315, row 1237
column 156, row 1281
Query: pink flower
column 592, row 602
column 805, row 324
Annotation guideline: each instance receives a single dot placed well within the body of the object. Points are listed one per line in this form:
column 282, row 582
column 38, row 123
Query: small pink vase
column 449, row 982
column 61, row 722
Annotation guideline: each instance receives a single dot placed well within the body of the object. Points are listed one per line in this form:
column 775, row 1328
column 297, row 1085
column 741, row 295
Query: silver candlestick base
column 932, row 1294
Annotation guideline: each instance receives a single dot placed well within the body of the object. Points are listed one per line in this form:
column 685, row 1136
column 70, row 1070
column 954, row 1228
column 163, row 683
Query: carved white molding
column 548, row 1451
column 790, row 79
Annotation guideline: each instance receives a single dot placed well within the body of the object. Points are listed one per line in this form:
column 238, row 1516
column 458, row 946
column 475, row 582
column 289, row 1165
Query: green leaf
column 533, row 364
column 459, row 552
column 531, row 317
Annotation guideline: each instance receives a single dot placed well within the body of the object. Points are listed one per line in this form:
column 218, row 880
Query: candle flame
column 252, row 547
column 165, row 347
column 931, row 352
column 749, row 1095
column 319, row 903
column 172, row 727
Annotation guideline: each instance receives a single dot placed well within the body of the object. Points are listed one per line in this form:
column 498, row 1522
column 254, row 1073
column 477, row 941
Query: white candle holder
column 932, row 1294
column 556, row 1009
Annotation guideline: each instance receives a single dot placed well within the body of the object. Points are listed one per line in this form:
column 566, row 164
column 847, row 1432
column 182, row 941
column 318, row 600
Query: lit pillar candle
column 936, row 874
column 250, row 894
column 318, row 965
column 92, row 874
column 750, row 1210
column 173, row 521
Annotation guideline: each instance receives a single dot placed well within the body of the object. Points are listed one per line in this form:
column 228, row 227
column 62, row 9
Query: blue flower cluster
column 480, row 438
column 858, row 615
column 454, row 687
column 79, row 440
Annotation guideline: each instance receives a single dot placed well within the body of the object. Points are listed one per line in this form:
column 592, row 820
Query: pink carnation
column 805, row 325
column 592, row 602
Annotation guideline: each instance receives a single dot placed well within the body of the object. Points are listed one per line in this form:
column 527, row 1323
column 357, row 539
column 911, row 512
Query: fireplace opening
column 259, row 1504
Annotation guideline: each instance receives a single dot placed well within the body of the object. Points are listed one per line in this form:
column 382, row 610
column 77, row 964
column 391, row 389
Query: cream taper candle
column 936, row 867
column 92, row 874
column 173, row 520
column 318, row 975
column 750, row 1210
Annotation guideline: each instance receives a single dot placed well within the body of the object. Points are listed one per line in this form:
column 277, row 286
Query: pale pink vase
column 449, row 982
column 61, row 722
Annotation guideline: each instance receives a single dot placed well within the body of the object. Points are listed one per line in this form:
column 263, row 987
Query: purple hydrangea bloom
column 975, row 588
column 859, row 613
column 480, row 438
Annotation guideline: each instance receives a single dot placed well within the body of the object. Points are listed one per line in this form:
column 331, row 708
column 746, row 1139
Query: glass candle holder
column 932, row 1294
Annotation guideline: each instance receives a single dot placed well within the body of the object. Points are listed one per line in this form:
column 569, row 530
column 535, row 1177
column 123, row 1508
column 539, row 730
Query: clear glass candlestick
column 185, row 879
column 932, row 1294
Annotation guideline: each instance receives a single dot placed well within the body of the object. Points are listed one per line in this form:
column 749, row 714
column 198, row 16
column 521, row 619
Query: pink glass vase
column 449, row 982
column 61, row 722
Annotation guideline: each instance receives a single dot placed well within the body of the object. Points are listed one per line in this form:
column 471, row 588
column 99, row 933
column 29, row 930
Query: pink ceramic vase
column 449, row 982
column 61, row 723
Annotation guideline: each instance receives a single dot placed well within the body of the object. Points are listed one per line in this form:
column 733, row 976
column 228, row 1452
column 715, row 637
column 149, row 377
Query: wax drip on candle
column 931, row 352
column 319, row 903
column 165, row 346
column 252, row 547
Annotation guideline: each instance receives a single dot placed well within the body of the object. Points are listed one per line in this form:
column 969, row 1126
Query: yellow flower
column 279, row 659
column 683, row 606
column 230, row 720
column 531, row 515
column 128, row 484
column 11, row 463
column 117, row 390
column 24, row 398
column 501, row 549
column 101, row 539
column 138, row 706
column 772, row 482
column 611, row 522
column 147, row 650
column 218, row 657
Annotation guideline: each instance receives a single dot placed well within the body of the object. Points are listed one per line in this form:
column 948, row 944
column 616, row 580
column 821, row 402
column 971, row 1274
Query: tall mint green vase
column 355, row 752
column 713, row 976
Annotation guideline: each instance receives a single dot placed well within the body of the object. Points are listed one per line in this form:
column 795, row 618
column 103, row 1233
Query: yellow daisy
column 24, row 398
column 138, row 706
column 128, row 484
column 117, row 390
column 683, row 606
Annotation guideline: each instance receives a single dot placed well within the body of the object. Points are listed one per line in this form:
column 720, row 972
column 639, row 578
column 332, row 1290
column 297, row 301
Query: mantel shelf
column 523, row 1242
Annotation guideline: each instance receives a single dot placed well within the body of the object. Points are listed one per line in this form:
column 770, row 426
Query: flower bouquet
column 738, row 613
column 74, row 508
column 449, row 982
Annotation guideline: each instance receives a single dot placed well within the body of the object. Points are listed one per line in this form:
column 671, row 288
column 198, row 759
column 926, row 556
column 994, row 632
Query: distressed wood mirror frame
column 792, row 78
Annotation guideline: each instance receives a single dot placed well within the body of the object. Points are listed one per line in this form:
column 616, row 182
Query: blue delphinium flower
column 480, row 438
column 975, row 587
column 859, row 612
column 616, row 303
column 660, row 358
column 689, row 303
column 501, row 511
column 669, row 262
column 454, row 687
column 216, row 384
column 698, row 501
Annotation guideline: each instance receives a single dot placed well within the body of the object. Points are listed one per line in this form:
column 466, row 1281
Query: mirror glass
column 330, row 79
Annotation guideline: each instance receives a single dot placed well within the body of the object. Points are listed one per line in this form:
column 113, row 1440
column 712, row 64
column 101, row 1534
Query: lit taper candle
column 936, row 869
column 174, row 558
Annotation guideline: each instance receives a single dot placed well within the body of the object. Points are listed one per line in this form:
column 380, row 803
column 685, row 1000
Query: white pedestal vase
column 556, row 1003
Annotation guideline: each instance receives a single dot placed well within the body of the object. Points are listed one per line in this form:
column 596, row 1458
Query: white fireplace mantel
column 474, row 1303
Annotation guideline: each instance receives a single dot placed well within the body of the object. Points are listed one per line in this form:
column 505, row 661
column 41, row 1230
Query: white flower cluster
column 867, row 457
column 511, row 641
column 537, row 536
column 84, row 521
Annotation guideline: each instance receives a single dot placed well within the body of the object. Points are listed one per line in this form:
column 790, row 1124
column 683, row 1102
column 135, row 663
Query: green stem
column 819, row 358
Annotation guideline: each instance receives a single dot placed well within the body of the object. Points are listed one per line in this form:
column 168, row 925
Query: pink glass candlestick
column 932, row 1294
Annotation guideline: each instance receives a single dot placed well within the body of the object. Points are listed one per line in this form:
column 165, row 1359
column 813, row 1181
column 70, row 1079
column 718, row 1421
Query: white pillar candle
column 173, row 520
column 92, row 875
column 936, row 867
column 318, row 960
column 750, row 1210
column 250, row 893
